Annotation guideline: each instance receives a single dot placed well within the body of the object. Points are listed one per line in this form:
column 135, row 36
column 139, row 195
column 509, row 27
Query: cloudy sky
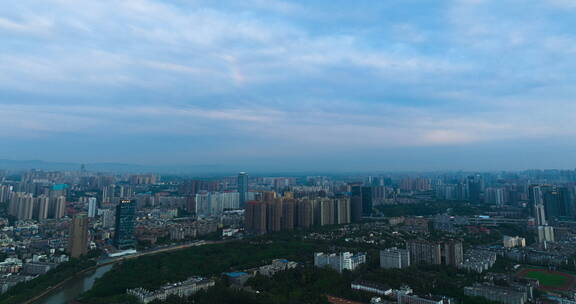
column 291, row 85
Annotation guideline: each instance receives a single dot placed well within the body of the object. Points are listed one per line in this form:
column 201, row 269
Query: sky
column 291, row 85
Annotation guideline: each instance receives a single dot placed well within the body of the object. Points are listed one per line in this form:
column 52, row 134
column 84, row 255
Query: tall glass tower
column 243, row 188
column 124, row 235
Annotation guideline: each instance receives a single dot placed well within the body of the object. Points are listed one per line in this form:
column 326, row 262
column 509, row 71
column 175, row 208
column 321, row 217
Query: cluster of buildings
column 445, row 252
column 181, row 289
column 284, row 214
column 479, row 261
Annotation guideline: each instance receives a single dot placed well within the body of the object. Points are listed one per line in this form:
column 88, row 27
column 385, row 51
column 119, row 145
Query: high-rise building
column 58, row 207
column 341, row 211
column 255, row 217
column 78, row 238
column 323, row 211
column 288, row 214
column 394, row 258
column 424, row 252
column 125, row 216
column 108, row 218
column 304, row 218
column 540, row 215
column 274, row 215
column 494, row 196
column 243, row 187
column 5, row 193
column 42, row 207
column 92, row 207
column 452, row 253
column 475, row 188
column 366, row 201
column 535, row 198
column 21, row 206
column 545, row 234
column 356, row 202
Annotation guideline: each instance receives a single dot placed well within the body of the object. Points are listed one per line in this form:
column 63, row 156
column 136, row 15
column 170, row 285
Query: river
column 72, row 289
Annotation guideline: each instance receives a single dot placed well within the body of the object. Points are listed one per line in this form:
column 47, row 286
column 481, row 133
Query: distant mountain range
column 7, row 164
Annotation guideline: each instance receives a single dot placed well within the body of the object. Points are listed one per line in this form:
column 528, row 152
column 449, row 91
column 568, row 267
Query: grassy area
column 547, row 279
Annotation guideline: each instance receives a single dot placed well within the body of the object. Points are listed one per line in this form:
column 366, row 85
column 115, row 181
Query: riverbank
column 52, row 289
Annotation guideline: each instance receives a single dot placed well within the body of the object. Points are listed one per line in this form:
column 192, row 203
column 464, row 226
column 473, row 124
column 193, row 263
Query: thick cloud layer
column 352, row 85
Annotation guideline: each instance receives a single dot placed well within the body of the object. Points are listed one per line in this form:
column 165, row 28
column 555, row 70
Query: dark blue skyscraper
column 366, row 201
column 355, row 202
column 243, row 188
column 124, row 234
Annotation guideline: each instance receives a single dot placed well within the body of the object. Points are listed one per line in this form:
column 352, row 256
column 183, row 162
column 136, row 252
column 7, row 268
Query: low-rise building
column 513, row 241
column 371, row 287
column 276, row 266
column 497, row 294
column 339, row 261
column 181, row 289
column 414, row 299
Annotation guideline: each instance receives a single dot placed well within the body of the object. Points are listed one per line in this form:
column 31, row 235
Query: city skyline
column 463, row 84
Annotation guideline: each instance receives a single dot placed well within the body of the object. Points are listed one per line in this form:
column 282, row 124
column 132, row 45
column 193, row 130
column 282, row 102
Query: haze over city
column 287, row 152
column 290, row 85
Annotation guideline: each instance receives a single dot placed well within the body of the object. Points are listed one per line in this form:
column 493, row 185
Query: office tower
column 366, row 201
column 78, row 238
column 304, row 218
column 355, row 202
column 255, row 217
column 452, row 253
column 124, row 233
column 567, row 201
column 274, row 215
column 475, row 187
column 243, row 187
column 42, row 207
column 342, row 210
column 288, row 214
column 92, row 207
column 424, row 252
column 394, row 258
